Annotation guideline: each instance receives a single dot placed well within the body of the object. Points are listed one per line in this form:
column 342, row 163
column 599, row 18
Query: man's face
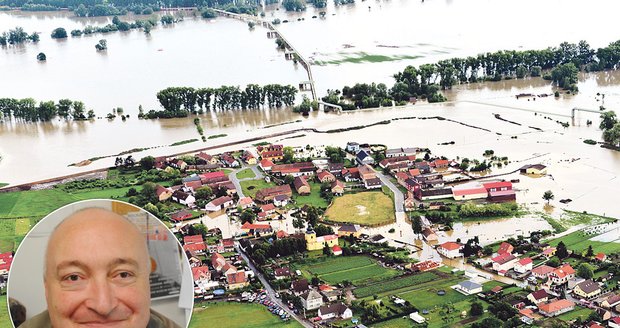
column 97, row 273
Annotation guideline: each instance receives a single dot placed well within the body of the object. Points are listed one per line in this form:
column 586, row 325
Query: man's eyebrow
column 67, row 264
column 122, row 261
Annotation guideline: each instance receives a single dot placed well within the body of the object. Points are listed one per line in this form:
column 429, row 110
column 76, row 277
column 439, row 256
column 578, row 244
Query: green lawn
column 356, row 269
column 394, row 284
column 251, row 187
column 576, row 313
column 246, row 174
column 2, row 184
column 313, row 199
column 427, row 298
column 22, row 226
column 366, row 208
column 236, row 315
column 5, row 321
column 579, row 242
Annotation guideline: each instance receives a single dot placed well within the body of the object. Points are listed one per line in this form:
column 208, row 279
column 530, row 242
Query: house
column 416, row 317
column 351, row 174
column 539, row 296
column 335, row 310
column 229, row 161
column 423, row 167
column 374, row 183
column 611, row 301
column 429, row 235
column 336, row 250
column 337, row 188
column 245, row 202
column 201, row 273
column 193, row 185
column 227, row 244
column 282, row 273
column 549, row 252
column 431, row 194
column 555, row 308
column 366, row 172
column 163, row 193
column 281, row 200
column 256, row 229
column 469, row 287
column 538, row 169
column 267, row 194
column 281, row 234
column 266, row 165
column 236, row 280
column 363, row 158
column 179, row 164
column 311, row 300
column 377, row 239
column 614, row 322
column 6, row 259
column 228, row 269
column 299, row 286
column 450, row 249
column 181, row 215
column 335, row 169
column 542, row 272
column 294, row 169
column 523, row 265
column 329, row 293
column 469, row 192
column 505, row 248
column 268, row 208
column 562, row 274
column 353, row 147
column 325, row 176
column 424, row 266
column 587, row 289
column 504, row 262
column 193, row 239
column 315, row 243
column 274, row 156
column 183, row 198
column 249, row 158
column 500, row 191
column 601, row 257
column 302, row 186
column 206, row 158
column 218, row 261
column 219, row 203
column 350, row 230
column 440, row 163
column 527, row 316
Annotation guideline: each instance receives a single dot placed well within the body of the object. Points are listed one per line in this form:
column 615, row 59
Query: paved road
column 270, row 292
column 257, row 171
column 399, row 197
column 233, row 178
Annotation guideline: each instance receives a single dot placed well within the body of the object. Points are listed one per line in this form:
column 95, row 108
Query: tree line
column 28, row 110
column 611, row 128
column 181, row 101
column 17, row 36
column 559, row 64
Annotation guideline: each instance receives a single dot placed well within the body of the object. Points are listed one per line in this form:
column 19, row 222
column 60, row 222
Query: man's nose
column 102, row 298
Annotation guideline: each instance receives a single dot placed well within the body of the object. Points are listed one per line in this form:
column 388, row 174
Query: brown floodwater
column 199, row 52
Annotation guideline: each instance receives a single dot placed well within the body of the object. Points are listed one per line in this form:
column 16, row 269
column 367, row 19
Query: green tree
column 247, row 216
column 585, row 271
column 476, row 309
column 59, row 33
column 102, row 45
column 78, row 110
column 147, row 162
column 612, row 136
column 41, row 57
column 608, row 120
column 148, row 193
column 204, row 192
column 590, row 251
column 288, row 155
column 416, row 224
column 561, row 251
column 548, row 195
column 152, row 209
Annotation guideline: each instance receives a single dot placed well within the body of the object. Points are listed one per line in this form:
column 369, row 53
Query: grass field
column 5, row 321
column 251, row 187
column 576, row 313
column 22, row 226
column 394, row 284
column 356, row 269
column 237, row 315
column 579, row 242
column 313, row 199
column 246, row 174
column 366, row 208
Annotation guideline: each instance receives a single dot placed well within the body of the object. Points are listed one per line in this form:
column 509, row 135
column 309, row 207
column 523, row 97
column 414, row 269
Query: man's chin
column 105, row 324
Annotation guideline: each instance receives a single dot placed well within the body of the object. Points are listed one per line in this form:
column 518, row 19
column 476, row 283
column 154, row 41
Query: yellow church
column 315, row 243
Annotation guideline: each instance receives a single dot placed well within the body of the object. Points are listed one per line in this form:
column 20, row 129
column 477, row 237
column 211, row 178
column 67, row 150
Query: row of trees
column 180, row 101
column 611, row 128
column 28, row 110
column 280, row 247
column 17, row 36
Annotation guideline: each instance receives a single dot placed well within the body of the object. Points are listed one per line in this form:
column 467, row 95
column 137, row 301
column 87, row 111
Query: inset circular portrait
column 100, row 263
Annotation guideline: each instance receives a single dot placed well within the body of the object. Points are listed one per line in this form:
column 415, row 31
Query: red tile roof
column 266, row 163
column 469, row 191
column 268, row 207
column 199, row 272
column 194, row 247
column 336, row 248
column 498, row 185
column 450, row 246
column 211, row 175
column 248, row 226
column 505, row 247
column 193, row 239
column 236, row 278
column 525, row 261
column 556, row 306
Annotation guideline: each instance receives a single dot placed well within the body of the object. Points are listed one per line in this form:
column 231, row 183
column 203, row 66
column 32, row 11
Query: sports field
column 365, row 208
column 224, row 314
column 356, row 269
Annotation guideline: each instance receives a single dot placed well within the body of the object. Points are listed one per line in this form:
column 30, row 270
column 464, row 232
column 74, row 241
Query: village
column 366, row 235
column 291, row 230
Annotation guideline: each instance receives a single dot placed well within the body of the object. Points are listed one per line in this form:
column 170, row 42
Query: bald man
column 97, row 268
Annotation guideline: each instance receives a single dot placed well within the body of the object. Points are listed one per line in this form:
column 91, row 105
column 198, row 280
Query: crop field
column 395, row 284
column 356, row 269
column 579, row 242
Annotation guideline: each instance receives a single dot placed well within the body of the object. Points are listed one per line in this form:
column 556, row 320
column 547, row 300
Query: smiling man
column 97, row 270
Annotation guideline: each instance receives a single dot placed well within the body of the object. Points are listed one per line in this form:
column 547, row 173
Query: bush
column 59, row 33
column 590, row 142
